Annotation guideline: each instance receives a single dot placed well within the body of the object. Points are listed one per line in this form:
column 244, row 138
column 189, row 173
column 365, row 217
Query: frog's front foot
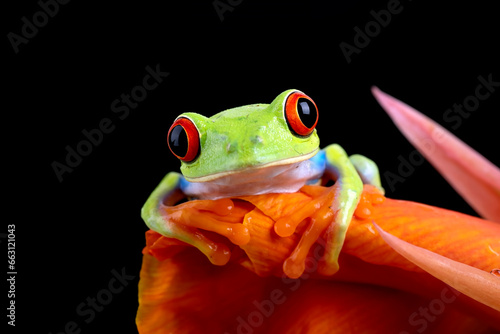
column 190, row 221
column 328, row 215
column 319, row 217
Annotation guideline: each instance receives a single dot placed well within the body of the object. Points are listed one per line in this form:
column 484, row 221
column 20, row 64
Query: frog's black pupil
column 178, row 141
column 307, row 112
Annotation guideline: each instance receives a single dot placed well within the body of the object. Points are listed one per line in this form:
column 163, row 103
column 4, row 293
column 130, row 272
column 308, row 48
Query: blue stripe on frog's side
column 183, row 183
column 319, row 162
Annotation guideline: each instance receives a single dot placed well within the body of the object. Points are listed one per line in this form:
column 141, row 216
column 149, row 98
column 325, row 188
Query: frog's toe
column 295, row 264
column 236, row 233
column 217, row 253
column 195, row 223
column 329, row 213
column 286, row 226
column 319, row 215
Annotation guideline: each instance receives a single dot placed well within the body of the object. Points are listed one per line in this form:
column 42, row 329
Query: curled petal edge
column 473, row 176
column 475, row 283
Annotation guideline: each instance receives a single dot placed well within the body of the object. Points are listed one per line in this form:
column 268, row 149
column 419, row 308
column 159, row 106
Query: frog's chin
column 283, row 176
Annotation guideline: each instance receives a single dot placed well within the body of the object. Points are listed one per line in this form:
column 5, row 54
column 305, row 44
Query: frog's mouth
column 287, row 175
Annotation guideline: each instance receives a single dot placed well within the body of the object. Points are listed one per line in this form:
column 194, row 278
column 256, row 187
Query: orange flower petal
column 460, row 237
column 475, row 283
column 162, row 247
column 187, row 294
column 475, row 178
column 463, row 238
column 276, row 206
column 179, row 292
column 266, row 250
column 332, row 307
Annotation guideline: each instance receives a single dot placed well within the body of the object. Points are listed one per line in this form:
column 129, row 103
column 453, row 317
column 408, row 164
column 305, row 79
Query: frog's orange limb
column 196, row 215
column 285, row 226
column 193, row 221
column 331, row 212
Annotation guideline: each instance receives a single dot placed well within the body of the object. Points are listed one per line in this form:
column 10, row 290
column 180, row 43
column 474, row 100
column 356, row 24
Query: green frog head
column 248, row 137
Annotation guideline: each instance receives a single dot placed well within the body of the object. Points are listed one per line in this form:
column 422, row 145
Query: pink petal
column 475, row 283
column 475, row 178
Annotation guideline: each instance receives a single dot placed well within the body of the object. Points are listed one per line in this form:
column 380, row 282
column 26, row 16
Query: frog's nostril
column 230, row 148
column 257, row 140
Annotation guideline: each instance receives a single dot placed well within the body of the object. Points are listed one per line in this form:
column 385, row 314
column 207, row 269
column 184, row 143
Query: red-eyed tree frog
column 258, row 149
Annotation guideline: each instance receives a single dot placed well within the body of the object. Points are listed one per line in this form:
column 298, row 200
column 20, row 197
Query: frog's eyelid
column 283, row 104
column 293, row 119
column 196, row 123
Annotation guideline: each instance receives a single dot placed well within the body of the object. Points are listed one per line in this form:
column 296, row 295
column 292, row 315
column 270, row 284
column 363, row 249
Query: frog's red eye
column 184, row 139
column 301, row 114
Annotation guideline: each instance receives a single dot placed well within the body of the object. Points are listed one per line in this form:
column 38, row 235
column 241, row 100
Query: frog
column 251, row 150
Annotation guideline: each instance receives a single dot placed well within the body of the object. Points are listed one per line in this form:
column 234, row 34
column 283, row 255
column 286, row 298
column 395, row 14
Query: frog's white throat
column 286, row 177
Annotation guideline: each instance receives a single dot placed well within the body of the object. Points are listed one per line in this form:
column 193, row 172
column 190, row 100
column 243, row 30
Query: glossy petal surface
column 475, row 178
column 181, row 291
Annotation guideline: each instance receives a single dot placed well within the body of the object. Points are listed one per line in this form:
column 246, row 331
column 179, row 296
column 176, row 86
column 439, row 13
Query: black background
column 70, row 235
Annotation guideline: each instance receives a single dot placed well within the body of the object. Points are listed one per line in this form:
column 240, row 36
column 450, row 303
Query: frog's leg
column 330, row 214
column 186, row 222
column 367, row 170
column 348, row 188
